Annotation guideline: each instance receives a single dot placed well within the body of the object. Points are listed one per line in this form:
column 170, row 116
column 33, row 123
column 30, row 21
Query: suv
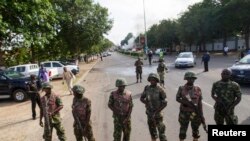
column 26, row 69
column 13, row 85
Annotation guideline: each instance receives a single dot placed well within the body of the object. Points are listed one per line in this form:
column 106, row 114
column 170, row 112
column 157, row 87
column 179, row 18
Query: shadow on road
column 11, row 102
column 246, row 121
column 15, row 123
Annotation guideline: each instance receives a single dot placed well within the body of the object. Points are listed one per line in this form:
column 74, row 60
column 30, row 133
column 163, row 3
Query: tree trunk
column 247, row 38
column 32, row 49
column 224, row 40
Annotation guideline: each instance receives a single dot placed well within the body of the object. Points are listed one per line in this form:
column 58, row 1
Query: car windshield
column 185, row 55
column 13, row 74
column 245, row 60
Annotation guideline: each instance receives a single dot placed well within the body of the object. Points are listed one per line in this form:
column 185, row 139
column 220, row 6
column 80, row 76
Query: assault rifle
column 197, row 111
column 151, row 113
column 78, row 124
column 46, row 115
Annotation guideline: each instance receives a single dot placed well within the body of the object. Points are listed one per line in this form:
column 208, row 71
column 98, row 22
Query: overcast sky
column 128, row 14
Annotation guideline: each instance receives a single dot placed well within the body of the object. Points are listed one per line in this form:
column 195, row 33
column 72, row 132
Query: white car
column 185, row 59
column 57, row 64
column 26, row 69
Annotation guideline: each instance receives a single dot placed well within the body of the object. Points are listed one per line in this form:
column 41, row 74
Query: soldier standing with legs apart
column 161, row 71
column 138, row 69
column 51, row 105
column 120, row 102
column 33, row 89
column 190, row 98
column 81, row 110
column 154, row 98
column 227, row 95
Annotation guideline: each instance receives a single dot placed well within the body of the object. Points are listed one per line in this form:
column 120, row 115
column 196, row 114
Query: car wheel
column 19, row 95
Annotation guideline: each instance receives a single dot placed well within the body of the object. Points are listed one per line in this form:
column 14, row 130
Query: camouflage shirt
column 226, row 91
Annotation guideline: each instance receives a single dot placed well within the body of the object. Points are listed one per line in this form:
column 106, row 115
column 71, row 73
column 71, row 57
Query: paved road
column 101, row 81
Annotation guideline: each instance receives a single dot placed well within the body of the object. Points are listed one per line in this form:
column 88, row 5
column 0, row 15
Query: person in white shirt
column 225, row 50
column 68, row 77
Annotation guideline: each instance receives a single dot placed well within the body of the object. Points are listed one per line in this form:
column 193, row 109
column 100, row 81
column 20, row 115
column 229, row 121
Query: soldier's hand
column 41, row 123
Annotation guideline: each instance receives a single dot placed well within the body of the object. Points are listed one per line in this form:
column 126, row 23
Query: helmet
column 120, row 82
column 161, row 60
column 78, row 89
column 155, row 76
column 47, row 85
column 189, row 75
column 139, row 58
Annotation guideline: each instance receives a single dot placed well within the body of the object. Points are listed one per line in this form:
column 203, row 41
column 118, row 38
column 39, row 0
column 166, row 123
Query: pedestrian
column 68, row 77
column 51, row 106
column 205, row 60
column 138, row 69
column 161, row 70
column 34, row 87
column 155, row 100
column 150, row 55
column 161, row 55
column 81, row 110
column 225, row 50
column 43, row 74
column 121, row 104
column 190, row 98
column 227, row 95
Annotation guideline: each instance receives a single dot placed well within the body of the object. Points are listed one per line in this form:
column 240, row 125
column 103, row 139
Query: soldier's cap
column 120, row 82
column 78, row 89
column 47, row 85
column 189, row 74
column 160, row 60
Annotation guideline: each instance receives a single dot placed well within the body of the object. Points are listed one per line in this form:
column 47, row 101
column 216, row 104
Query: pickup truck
column 59, row 66
column 13, row 85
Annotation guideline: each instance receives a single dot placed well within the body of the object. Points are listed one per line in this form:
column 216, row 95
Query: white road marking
column 209, row 105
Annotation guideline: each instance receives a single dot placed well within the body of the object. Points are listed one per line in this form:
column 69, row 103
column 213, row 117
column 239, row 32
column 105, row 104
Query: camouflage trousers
column 220, row 117
column 161, row 75
column 154, row 124
column 120, row 127
column 88, row 133
column 184, row 119
column 59, row 131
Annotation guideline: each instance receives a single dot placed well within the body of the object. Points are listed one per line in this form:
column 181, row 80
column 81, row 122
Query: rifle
column 150, row 114
column 46, row 115
column 78, row 124
column 197, row 111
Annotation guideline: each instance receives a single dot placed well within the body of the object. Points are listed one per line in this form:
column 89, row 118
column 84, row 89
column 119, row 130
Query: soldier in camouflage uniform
column 120, row 102
column 154, row 98
column 190, row 98
column 52, row 104
column 138, row 69
column 227, row 95
column 81, row 110
column 161, row 70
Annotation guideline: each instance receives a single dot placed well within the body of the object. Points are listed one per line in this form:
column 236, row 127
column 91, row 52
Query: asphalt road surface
column 100, row 82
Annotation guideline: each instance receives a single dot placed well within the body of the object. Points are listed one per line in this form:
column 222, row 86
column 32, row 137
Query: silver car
column 185, row 59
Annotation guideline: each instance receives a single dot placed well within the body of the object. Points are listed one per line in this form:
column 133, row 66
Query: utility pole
column 145, row 32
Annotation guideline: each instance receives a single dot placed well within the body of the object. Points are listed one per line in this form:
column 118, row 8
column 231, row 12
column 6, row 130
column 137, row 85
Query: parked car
column 185, row 59
column 59, row 65
column 26, row 69
column 13, row 85
column 241, row 70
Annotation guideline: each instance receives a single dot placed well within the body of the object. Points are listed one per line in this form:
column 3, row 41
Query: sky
column 128, row 15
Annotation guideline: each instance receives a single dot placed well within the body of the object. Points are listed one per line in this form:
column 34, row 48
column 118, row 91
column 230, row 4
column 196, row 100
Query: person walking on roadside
column 225, row 50
column 81, row 110
column 34, row 87
column 138, row 69
column 68, row 77
column 161, row 70
column 205, row 60
column 51, row 107
column 155, row 100
column 150, row 55
column 43, row 74
column 190, row 98
column 227, row 95
column 161, row 55
column 121, row 104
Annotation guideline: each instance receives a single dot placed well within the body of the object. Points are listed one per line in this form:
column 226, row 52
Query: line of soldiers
column 225, row 92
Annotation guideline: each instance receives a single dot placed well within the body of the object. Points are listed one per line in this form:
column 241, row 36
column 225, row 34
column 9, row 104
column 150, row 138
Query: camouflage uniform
column 155, row 98
column 81, row 109
column 192, row 94
column 53, row 103
column 121, row 104
column 138, row 69
column 226, row 93
column 161, row 71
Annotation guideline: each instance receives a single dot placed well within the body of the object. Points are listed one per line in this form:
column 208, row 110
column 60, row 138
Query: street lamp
column 145, row 34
